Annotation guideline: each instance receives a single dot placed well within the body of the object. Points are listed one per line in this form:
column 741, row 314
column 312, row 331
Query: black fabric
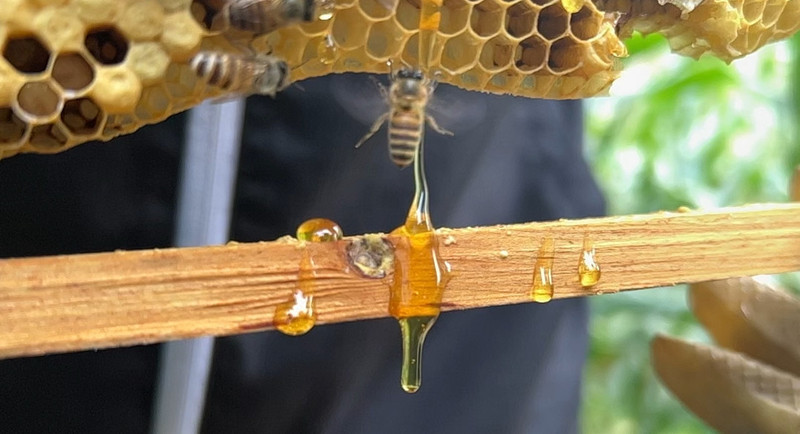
column 503, row 369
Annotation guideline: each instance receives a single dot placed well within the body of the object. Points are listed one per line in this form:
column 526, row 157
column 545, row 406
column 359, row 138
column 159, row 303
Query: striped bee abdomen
column 405, row 134
column 216, row 69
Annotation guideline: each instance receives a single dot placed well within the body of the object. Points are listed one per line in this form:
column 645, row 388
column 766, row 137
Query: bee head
column 274, row 79
column 408, row 73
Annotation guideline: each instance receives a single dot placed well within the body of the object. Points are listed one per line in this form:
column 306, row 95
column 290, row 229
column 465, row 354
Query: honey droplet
column 542, row 290
column 298, row 315
column 325, row 9
column 319, row 230
column 572, row 6
column 414, row 331
column 588, row 268
column 327, row 50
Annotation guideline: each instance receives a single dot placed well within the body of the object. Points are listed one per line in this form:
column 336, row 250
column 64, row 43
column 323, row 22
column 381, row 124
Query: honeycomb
column 727, row 29
column 72, row 71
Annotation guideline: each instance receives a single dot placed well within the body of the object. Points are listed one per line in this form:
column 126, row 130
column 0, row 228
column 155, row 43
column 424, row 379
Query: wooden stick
column 79, row 302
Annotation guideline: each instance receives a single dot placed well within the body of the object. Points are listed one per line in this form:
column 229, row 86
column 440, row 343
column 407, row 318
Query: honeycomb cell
column 60, row 29
column 106, row 45
column 98, row 11
column 316, row 28
column 772, row 11
column 377, row 9
column 520, row 20
column 82, row 116
column 180, row 80
column 752, row 10
column 385, row 40
column 175, row 5
column 411, row 50
column 346, row 34
column 154, row 104
column 407, row 14
column 487, row 18
column 497, row 54
column 459, row 53
column 72, row 71
column 533, row 52
column 585, row 24
column 181, row 36
column 26, row 54
column 12, row 128
column 142, row 20
column 149, row 61
column 553, row 21
column 116, row 89
column 455, row 14
column 504, row 80
column 48, row 137
column 38, row 100
column 565, row 56
column 119, row 124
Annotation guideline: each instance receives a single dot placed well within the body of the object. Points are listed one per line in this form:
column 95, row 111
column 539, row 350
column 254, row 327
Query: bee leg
column 436, row 127
column 374, row 129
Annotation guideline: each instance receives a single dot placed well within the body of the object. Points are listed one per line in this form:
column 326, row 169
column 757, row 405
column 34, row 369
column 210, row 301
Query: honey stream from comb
column 420, row 276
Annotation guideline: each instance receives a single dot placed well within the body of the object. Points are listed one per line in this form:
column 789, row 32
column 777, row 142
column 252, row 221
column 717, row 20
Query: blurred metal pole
column 205, row 199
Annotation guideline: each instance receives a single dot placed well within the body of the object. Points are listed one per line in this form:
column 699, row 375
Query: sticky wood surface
column 69, row 303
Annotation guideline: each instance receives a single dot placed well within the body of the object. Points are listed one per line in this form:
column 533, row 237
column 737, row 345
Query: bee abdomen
column 216, row 69
column 259, row 17
column 405, row 134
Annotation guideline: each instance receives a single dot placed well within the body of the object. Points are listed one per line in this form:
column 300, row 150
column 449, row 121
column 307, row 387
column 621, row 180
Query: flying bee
column 236, row 74
column 408, row 96
column 264, row 16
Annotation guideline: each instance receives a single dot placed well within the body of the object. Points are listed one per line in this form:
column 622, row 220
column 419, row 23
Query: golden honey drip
column 588, row 268
column 420, row 277
column 542, row 290
column 297, row 315
column 319, row 230
column 327, row 50
column 429, row 19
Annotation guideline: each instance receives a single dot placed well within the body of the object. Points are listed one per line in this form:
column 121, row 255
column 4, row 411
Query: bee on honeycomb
column 72, row 71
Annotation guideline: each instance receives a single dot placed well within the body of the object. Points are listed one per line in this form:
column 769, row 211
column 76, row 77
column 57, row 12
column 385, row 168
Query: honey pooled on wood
column 542, row 290
column 588, row 268
column 297, row 315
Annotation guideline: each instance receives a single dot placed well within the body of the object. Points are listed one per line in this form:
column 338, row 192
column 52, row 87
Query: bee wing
column 455, row 109
column 258, row 20
column 359, row 97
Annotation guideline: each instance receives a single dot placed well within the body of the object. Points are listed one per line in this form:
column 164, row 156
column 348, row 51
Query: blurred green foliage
column 679, row 132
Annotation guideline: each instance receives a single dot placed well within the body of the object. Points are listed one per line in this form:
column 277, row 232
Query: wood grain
column 78, row 302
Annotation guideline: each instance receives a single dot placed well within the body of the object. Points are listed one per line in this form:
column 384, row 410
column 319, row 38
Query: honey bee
column 264, row 16
column 260, row 74
column 408, row 96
